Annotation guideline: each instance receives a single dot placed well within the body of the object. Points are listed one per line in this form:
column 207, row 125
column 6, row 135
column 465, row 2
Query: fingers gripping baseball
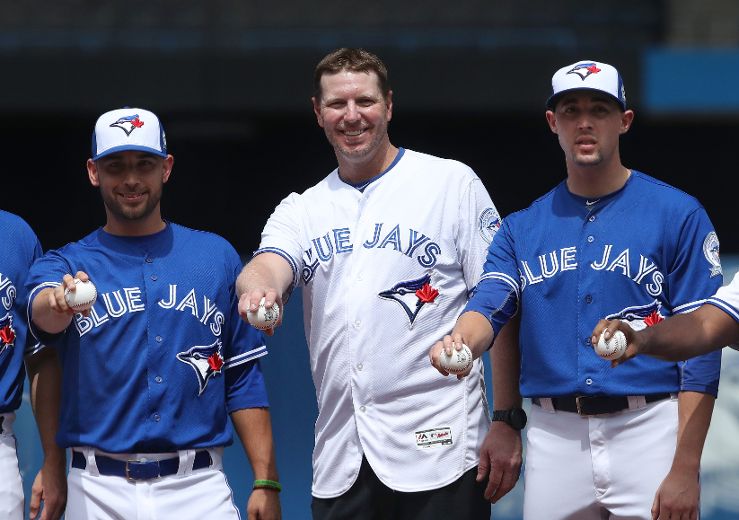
column 614, row 340
column 451, row 356
column 261, row 308
column 76, row 294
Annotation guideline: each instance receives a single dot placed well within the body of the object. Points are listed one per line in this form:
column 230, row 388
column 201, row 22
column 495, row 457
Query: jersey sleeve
column 46, row 271
column 478, row 220
column 497, row 294
column 32, row 345
column 695, row 276
column 281, row 235
column 244, row 346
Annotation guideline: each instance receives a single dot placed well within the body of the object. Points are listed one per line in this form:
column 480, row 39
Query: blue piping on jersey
column 362, row 185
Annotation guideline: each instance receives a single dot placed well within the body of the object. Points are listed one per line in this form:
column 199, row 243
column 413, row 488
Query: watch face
column 517, row 418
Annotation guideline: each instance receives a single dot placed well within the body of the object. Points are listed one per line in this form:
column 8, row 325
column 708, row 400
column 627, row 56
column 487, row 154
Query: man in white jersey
column 386, row 249
column 711, row 327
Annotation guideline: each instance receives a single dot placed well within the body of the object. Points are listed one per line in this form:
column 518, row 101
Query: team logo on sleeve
column 412, row 295
column 640, row 316
column 489, row 224
column 206, row 361
column 128, row 123
column 7, row 333
column 711, row 252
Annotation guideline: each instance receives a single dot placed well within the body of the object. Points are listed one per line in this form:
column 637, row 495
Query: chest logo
column 206, row 361
column 7, row 333
column 640, row 316
column 412, row 295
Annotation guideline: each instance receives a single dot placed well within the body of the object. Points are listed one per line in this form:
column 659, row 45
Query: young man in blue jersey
column 153, row 370
column 15, row 343
column 609, row 241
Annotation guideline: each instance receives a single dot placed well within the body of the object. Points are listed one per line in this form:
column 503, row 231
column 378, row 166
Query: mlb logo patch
column 434, row 437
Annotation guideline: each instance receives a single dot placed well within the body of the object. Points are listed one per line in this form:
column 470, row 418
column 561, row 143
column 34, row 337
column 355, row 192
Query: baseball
column 458, row 362
column 614, row 348
column 264, row 318
column 82, row 298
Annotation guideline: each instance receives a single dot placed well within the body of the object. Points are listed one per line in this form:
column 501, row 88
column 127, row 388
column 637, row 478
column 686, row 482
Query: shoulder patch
column 7, row 333
column 205, row 360
column 489, row 224
column 711, row 252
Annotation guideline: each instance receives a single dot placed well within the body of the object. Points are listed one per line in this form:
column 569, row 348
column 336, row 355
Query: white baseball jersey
column 386, row 269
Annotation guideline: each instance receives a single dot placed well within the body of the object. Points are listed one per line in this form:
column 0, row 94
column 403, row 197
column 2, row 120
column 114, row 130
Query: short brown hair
column 354, row 60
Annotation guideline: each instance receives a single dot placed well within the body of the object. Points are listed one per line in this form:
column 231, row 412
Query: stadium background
column 231, row 80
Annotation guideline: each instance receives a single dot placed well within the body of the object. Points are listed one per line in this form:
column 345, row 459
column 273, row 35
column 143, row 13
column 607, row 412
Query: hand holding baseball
column 262, row 309
column 615, row 341
column 75, row 295
column 451, row 356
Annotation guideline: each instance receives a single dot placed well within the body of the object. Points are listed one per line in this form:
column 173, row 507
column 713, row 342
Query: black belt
column 597, row 404
column 139, row 470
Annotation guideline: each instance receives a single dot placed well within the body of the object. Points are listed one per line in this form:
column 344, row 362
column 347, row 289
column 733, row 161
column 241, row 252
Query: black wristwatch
column 515, row 417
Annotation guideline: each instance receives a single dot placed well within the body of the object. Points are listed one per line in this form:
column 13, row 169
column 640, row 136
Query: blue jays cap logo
column 640, row 316
column 412, row 295
column 584, row 70
column 128, row 123
column 206, row 361
column 7, row 333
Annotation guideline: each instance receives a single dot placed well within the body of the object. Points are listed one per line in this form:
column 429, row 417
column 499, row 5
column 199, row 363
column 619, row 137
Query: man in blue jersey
column 22, row 248
column 608, row 242
column 153, row 370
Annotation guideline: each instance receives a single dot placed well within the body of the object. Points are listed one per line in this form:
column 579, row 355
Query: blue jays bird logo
column 206, row 361
column 412, row 295
column 584, row 70
column 7, row 333
column 128, row 123
column 640, row 316
column 489, row 221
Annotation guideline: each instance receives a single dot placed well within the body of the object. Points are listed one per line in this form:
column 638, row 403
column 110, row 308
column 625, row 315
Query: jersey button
column 591, row 238
column 586, row 340
column 156, row 417
column 357, row 324
column 158, row 379
column 159, row 339
column 588, row 299
column 362, row 408
column 148, row 260
column 154, row 277
column 588, row 381
column 360, row 366
column 592, row 218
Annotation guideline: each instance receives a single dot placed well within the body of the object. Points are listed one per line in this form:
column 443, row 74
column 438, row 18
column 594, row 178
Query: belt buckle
column 143, row 465
column 578, row 404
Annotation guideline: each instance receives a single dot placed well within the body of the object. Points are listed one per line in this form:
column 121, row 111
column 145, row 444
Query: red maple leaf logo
column 593, row 69
column 7, row 335
column 215, row 362
column 653, row 319
column 137, row 123
column 427, row 294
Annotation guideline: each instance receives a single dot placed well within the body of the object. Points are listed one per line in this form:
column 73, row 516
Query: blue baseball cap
column 588, row 75
column 127, row 129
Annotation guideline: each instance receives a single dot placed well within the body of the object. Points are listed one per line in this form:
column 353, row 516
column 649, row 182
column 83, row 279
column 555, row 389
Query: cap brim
column 553, row 99
column 129, row 148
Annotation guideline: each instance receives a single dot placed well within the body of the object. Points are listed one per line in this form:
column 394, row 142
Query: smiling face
column 588, row 125
column 354, row 115
column 131, row 185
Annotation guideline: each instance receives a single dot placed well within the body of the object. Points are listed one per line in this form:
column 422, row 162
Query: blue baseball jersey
column 163, row 356
column 21, row 249
column 641, row 254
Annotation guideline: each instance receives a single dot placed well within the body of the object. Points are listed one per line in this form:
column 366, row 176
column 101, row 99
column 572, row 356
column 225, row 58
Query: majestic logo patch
column 711, row 252
column 640, row 316
column 206, row 361
column 412, row 295
column 128, row 123
column 7, row 333
column 434, row 438
column 584, row 70
column 489, row 224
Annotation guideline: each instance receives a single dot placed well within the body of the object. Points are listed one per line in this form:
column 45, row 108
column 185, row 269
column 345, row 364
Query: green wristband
column 268, row 484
